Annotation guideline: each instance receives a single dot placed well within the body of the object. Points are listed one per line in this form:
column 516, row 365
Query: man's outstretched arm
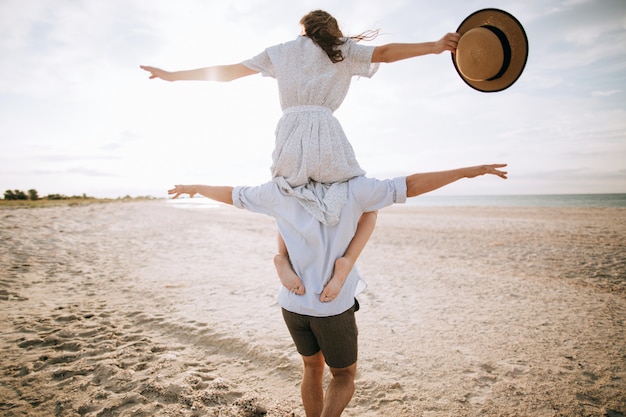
column 421, row 183
column 416, row 184
column 223, row 194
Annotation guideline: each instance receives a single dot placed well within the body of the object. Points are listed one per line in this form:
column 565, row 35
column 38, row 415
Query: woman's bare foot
column 343, row 266
column 288, row 277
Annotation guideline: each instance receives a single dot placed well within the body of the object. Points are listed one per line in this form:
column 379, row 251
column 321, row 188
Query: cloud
column 69, row 158
column 578, row 35
column 82, row 171
column 89, row 172
column 608, row 93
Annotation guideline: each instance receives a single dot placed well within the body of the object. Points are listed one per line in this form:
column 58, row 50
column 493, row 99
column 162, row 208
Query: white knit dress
column 313, row 159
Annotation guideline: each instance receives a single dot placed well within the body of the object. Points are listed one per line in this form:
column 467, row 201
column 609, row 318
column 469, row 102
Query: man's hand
column 223, row 194
column 486, row 169
column 182, row 189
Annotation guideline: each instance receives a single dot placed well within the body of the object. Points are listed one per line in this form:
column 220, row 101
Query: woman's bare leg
column 344, row 265
column 287, row 275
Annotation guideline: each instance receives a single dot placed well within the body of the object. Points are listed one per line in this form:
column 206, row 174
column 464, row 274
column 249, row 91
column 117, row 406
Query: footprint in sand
column 486, row 375
column 119, row 362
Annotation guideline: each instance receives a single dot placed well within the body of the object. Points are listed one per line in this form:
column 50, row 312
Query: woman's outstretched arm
column 214, row 73
column 393, row 52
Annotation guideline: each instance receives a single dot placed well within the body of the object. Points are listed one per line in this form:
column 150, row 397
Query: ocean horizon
column 522, row 200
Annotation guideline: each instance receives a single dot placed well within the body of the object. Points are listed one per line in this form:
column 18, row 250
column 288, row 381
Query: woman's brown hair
column 324, row 30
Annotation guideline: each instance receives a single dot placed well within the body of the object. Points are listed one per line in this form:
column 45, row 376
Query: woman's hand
column 158, row 73
column 447, row 43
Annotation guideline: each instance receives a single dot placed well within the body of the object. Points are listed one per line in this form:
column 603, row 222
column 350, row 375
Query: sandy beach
column 154, row 309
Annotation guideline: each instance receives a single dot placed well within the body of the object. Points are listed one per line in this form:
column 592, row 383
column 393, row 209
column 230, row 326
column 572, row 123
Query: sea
column 539, row 200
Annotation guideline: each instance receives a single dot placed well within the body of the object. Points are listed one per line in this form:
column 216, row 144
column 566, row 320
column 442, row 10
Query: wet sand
column 150, row 309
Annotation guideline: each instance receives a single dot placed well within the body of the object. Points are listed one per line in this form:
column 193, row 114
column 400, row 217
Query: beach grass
column 73, row 201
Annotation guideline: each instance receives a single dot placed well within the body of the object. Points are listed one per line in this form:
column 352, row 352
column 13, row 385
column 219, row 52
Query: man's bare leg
column 287, row 275
column 340, row 391
column 344, row 265
column 311, row 389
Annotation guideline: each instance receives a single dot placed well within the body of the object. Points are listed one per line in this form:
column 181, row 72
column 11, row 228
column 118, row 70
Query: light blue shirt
column 313, row 247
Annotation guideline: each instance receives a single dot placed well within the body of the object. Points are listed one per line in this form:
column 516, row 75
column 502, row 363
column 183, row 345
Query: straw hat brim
column 517, row 49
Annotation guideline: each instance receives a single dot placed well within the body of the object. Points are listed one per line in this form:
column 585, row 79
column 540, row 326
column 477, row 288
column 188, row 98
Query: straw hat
column 492, row 51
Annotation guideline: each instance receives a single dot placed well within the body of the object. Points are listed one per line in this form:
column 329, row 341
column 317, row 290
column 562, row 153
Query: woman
column 313, row 159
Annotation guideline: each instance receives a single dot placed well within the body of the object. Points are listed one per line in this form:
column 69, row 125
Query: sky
column 78, row 115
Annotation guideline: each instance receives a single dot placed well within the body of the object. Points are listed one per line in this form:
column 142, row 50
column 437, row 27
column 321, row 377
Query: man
column 324, row 331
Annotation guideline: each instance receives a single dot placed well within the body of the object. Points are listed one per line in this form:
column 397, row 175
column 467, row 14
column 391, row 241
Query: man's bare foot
column 288, row 277
column 343, row 266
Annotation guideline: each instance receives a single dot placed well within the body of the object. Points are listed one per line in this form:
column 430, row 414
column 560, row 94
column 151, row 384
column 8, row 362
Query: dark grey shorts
column 335, row 336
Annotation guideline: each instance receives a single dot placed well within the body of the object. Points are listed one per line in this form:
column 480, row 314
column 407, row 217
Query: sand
column 150, row 309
